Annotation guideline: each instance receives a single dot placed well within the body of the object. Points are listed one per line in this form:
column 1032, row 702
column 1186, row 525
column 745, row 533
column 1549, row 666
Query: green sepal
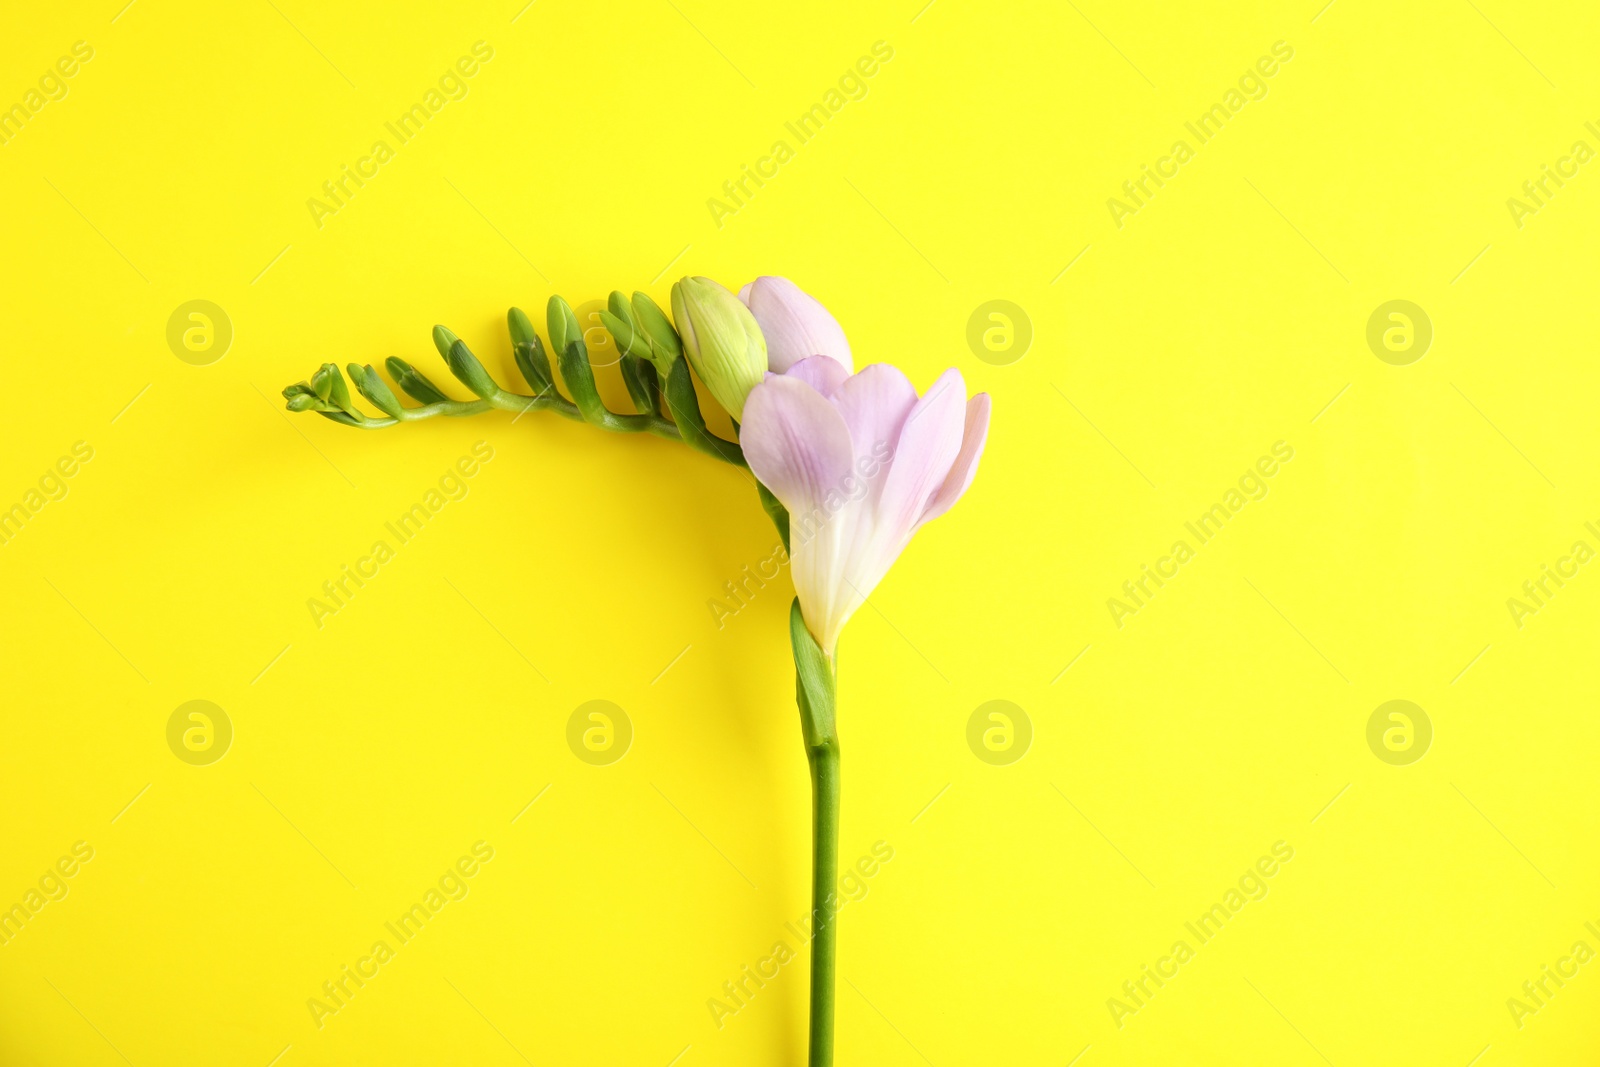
column 375, row 389
column 465, row 366
column 415, row 384
column 529, row 352
column 814, row 683
column 640, row 378
column 579, row 376
column 684, row 406
column 776, row 512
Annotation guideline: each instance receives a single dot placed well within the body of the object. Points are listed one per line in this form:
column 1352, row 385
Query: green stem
column 518, row 402
column 815, row 692
column 824, row 877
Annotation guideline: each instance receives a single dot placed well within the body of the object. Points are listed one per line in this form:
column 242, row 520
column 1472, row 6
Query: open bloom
column 794, row 324
column 861, row 462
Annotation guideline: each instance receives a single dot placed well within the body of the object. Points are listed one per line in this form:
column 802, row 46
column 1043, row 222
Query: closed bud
column 658, row 329
column 375, row 389
column 529, row 351
column 629, row 340
column 443, row 338
column 619, row 319
column 414, row 382
column 721, row 340
column 328, row 384
column 562, row 326
column 617, row 304
column 465, row 366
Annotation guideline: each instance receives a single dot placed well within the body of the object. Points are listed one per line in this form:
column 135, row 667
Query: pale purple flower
column 861, row 462
column 794, row 324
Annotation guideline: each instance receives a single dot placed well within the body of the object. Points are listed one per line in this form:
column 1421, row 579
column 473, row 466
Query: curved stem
column 824, row 877
column 520, row 403
column 688, row 429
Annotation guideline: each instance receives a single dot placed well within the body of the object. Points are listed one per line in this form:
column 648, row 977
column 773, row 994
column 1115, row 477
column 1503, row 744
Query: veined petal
column 848, row 547
column 796, row 443
column 794, row 323
column 875, row 404
column 965, row 468
column 824, row 373
column 924, row 455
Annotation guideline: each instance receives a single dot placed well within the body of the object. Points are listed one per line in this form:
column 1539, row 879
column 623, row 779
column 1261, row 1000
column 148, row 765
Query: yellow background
column 424, row 716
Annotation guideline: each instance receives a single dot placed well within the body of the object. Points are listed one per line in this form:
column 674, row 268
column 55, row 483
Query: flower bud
column 375, row 389
column 465, row 366
column 529, row 352
column 562, row 326
column 665, row 346
column 414, row 382
column 794, row 323
column 619, row 321
column 443, row 338
column 328, row 384
column 721, row 339
column 307, row 401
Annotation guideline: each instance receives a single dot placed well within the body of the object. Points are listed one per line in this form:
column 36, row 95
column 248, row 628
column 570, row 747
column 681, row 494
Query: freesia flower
column 722, row 340
column 861, row 463
column 794, row 323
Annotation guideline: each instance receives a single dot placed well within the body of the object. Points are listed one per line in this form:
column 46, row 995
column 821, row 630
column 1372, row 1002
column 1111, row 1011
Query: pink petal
column 795, row 442
column 822, row 373
column 924, row 454
column 794, row 324
column 875, row 404
column 965, row 467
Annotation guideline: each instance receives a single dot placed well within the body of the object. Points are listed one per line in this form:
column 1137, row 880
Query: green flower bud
column 328, row 384
column 664, row 343
column 721, row 339
column 572, row 356
column 465, row 366
column 375, row 389
column 443, row 338
column 617, row 304
column 619, row 321
column 562, row 326
column 630, row 342
column 413, row 381
column 529, row 352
